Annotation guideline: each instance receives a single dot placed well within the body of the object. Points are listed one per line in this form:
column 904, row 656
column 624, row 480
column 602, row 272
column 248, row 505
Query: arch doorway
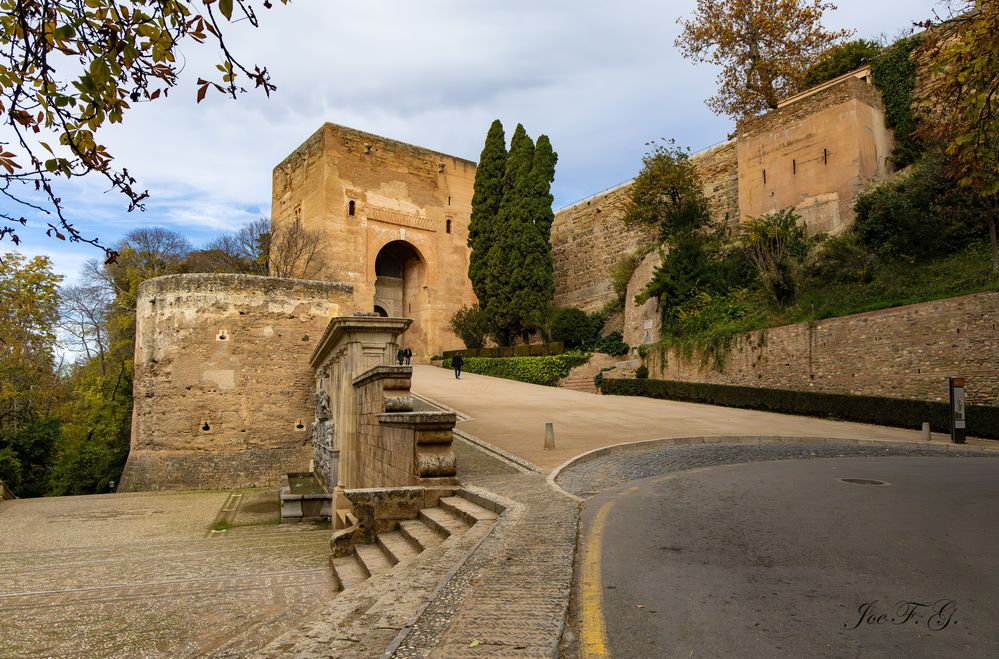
column 401, row 290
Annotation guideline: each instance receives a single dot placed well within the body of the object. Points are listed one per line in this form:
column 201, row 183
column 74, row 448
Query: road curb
column 752, row 440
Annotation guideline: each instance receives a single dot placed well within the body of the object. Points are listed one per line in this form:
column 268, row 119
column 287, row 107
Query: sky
column 601, row 79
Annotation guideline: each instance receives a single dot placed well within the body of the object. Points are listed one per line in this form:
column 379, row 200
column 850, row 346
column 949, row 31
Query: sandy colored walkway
column 512, row 415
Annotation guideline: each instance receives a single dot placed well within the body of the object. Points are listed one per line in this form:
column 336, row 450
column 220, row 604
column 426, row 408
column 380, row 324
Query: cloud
column 601, row 79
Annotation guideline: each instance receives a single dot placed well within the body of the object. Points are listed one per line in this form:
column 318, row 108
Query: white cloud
column 601, row 79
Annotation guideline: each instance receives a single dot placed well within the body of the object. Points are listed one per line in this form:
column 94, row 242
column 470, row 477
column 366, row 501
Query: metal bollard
column 926, row 431
column 549, row 436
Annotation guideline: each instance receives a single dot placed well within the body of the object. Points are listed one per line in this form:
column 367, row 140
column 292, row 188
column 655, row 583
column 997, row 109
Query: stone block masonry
column 392, row 220
column 222, row 393
column 589, row 237
column 905, row 352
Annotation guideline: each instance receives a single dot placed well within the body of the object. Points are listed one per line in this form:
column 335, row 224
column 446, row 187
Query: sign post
column 957, row 418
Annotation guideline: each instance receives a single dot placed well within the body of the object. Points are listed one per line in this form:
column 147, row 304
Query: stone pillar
column 350, row 346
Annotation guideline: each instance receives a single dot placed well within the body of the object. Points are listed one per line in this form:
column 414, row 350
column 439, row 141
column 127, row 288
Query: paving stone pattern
column 642, row 461
column 509, row 599
column 141, row 575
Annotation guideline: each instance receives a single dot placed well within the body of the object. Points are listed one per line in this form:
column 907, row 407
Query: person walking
column 400, row 356
column 457, row 362
column 409, row 354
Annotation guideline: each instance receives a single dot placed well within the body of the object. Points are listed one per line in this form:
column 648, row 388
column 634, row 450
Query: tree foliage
column 961, row 104
column 242, row 251
column 486, row 197
column 515, row 276
column 776, row 246
column 894, row 72
column 28, row 316
column 69, row 67
column 469, row 324
column 919, row 215
column 764, row 48
column 841, row 59
column 667, row 193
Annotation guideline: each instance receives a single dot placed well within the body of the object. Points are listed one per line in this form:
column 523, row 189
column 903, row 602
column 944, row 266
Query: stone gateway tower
column 392, row 219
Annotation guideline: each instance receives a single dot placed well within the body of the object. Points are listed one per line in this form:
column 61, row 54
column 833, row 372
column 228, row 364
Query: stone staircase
column 450, row 519
column 581, row 377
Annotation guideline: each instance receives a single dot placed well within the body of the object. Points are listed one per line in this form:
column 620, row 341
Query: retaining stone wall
column 906, row 352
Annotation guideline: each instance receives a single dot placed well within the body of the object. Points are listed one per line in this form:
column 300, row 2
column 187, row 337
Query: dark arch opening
column 381, row 312
column 351, row 207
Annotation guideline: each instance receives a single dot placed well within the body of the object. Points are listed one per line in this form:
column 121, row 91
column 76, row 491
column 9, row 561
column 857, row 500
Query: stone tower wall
column 222, row 394
column 399, row 192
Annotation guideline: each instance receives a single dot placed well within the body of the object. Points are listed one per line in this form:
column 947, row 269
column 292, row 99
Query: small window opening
column 825, row 156
column 351, row 208
column 794, row 166
column 764, row 177
column 448, row 226
column 449, row 200
column 299, row 425
column 205, row 427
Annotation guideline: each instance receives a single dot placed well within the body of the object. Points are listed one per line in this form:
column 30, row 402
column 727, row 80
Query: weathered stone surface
column 222, row 381
column 364, row 194
column 814, row 154
column 589, row 237
column 905, row 352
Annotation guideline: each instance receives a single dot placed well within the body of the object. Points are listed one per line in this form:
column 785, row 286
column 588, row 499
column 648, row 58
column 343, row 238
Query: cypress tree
column 486, row 197
column 542, row 175
column 520, row 264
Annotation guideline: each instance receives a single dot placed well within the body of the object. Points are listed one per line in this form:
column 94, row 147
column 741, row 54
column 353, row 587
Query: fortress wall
column 400, row 192
column 589, row 237
column 222, row 379
column 814, row 155
column 906, row 352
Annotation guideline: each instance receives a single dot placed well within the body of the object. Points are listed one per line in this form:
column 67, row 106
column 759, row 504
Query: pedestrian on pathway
column 457, row 363
column 400, row 356
column 409, row 355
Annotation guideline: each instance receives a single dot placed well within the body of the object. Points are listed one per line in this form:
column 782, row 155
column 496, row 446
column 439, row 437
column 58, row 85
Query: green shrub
column 983, row 421
column 575, row 328
column 841, row 259
column 776, row 245
column 469, row 324
column 894, row 73
column 535, row 370
column 612, row 344
column 642, row 372
column 918, row 215
column 841, row 58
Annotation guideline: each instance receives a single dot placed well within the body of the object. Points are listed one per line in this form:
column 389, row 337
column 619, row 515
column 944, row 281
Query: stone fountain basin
column 303, row 498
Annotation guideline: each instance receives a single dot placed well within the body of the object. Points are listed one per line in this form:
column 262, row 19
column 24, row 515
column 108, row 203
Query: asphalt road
column 783, row 559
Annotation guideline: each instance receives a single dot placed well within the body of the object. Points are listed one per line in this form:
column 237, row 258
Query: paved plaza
column 214, row 574
column 142, row 574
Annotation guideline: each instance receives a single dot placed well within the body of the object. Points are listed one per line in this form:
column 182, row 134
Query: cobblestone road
column 641, row 461
column 137, row 575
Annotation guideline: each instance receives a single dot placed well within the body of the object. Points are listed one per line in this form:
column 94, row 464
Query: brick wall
column 906, row 352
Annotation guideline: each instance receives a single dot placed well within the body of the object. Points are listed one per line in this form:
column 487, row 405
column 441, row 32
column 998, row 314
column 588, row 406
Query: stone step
column 396, row 547
column 348, row 571
column 374, row 560
column 443, row 522
column 469, row 512
column 418, row 534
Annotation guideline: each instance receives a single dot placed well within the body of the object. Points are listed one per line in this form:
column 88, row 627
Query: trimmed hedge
column 983, row 421
column 524, row 350
column 535, row 370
